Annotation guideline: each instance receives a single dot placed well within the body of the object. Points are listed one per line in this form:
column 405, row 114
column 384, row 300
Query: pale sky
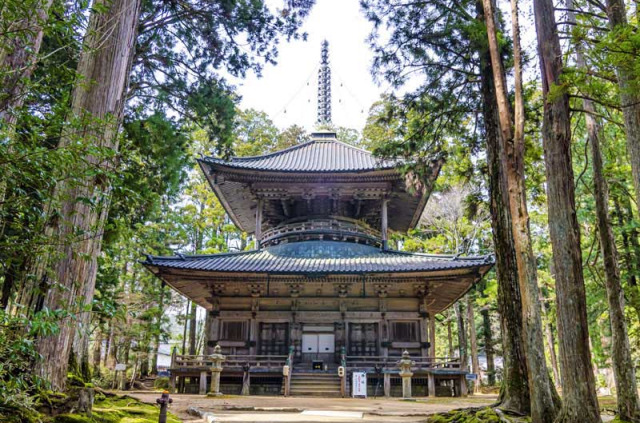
column 287, row 92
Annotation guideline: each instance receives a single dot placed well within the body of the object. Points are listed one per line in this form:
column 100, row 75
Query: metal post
column 164, row 402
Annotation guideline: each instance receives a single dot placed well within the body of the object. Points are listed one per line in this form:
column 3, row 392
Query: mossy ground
column 481, row 415
column 117, row 410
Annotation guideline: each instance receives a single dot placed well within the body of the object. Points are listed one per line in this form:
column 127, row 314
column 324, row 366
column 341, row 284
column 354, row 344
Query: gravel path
column 280, row 409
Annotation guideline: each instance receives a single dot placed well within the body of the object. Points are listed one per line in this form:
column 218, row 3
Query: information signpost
column 359, row 385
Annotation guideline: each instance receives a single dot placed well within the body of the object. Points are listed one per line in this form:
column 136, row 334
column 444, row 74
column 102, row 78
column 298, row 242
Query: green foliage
column 19, row 386
column 161, row 383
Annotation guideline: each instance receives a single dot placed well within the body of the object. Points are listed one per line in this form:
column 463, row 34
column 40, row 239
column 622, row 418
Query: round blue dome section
column 322, row 249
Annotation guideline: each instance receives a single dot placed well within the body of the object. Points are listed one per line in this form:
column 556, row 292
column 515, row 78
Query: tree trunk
column 629, row 94
column 156, row 338
column 112, row 352
column 514, row 394
column 580, row 403
column 623, row 365
column 186, row 326
column 488, row 347
column 634, row 292
column 98, row 97
column 450, row 337
column 543, row 407
column 462, row 337
column 551, row 345
column 97, row 351
column 193, row 328
column 475, row 364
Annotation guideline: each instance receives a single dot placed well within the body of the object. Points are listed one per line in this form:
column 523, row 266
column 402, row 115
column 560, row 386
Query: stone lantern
column 216, row 368
column 405, row 364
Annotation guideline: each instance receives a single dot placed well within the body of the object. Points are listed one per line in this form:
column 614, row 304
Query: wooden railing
column 279, row 361
column 363, row 362
column 195, row 361
column 329, row 225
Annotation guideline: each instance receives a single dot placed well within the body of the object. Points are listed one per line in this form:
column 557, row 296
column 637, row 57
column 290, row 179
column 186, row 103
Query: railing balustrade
column 341, row 226
column 278, row 361
column 194, row 361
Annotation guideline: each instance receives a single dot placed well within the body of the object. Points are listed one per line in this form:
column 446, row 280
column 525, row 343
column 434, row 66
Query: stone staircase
column 316, row 384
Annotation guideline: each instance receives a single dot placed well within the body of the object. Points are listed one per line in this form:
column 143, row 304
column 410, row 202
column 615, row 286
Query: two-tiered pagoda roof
column 315, row 210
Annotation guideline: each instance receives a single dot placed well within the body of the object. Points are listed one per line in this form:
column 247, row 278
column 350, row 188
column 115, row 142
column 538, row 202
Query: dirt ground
column 310, row 409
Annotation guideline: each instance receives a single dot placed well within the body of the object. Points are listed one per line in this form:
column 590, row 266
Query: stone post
column 203, row 382
column 216, row 368
column 405, row 364
column 431, row 384
column 387, row 384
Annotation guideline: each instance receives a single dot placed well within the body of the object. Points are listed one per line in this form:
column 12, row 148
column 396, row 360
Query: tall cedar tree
column 623, row 366
column 445, row 41
column 579, row 404
column 543, row 405
column 98, row 100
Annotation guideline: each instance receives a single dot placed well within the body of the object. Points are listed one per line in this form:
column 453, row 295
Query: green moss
column 484, row 415
column 117, row 409
column 161, row 383
column 74, row 380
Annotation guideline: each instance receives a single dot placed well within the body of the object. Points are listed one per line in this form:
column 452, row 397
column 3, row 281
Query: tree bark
column 156, row 338
column 98, row 101
column 186, row 326
column 579, row 396
column 623, row 365
column 634, row 292
column 629, row 94
column 97, row 351
column 462, row 338
column 475, row 364
column 551, row 345
column 192, row 328
column 543, row 406
column 514, row 394
column 450, row 337
column 488, row 347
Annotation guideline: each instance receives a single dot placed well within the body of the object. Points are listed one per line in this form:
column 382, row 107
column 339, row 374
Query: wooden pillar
column 203, row 382
column 253, row 336
column 387, row 384
column 385, row 223
column 258, row 232
column 172, row 383
column 431, row 384
column 212, row 331
column 424, row 336
column 432, row 336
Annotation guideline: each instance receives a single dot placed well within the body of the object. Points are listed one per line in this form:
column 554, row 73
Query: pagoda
column 322, row 289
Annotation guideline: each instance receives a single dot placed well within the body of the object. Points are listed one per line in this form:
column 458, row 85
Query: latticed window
column 363, row 339
column 234, row 330
column 274, row 339
column 404, row 331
